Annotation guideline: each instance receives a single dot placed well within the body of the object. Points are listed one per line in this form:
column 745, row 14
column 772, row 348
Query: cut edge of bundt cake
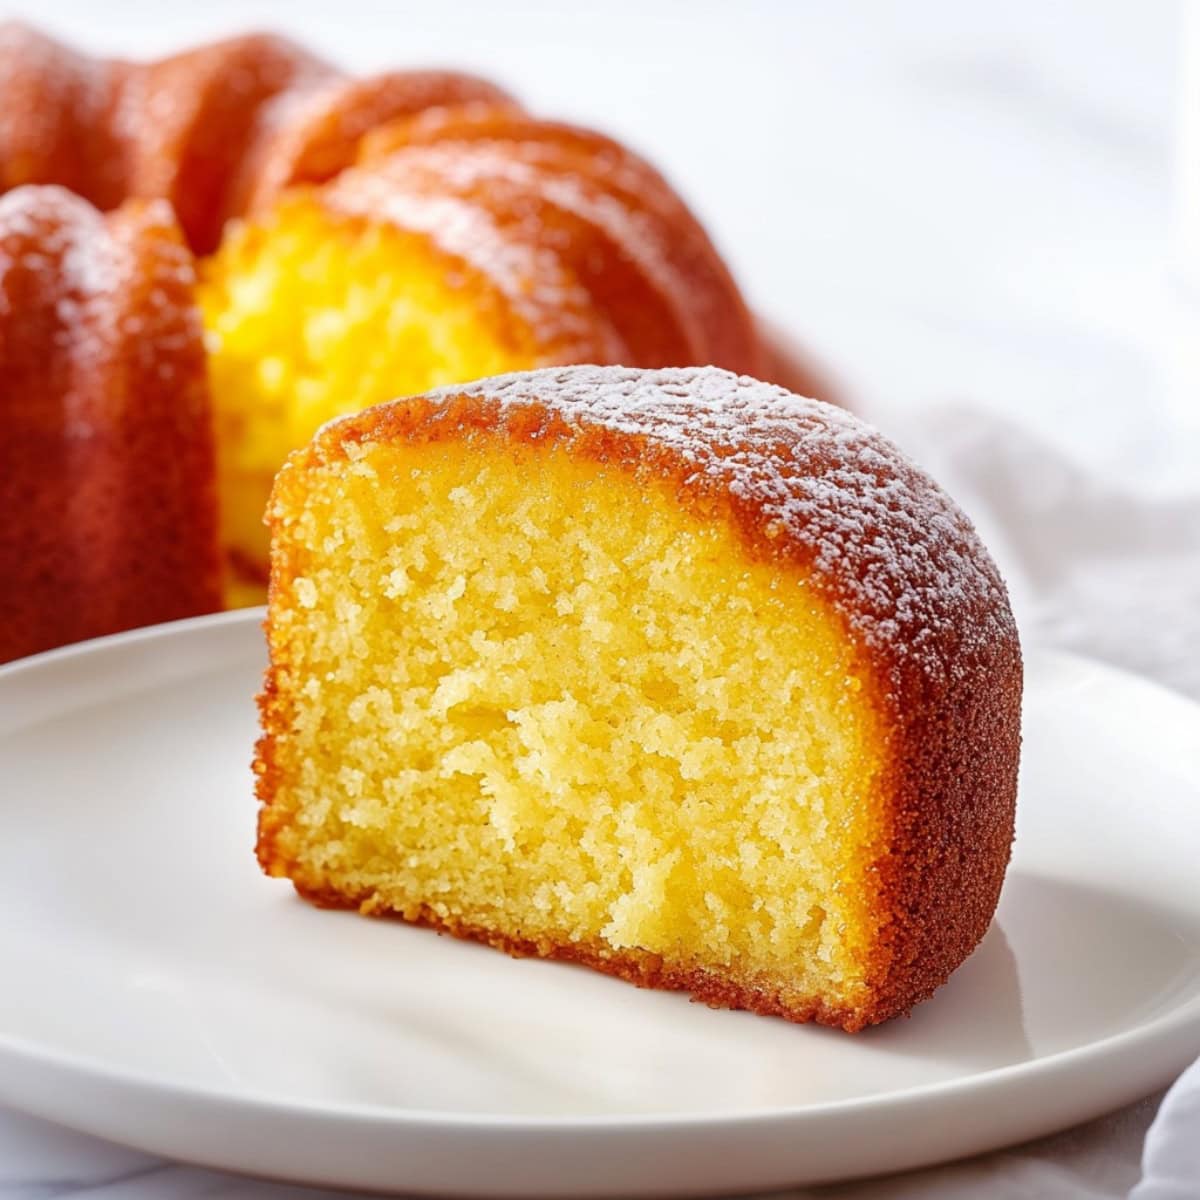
column 668, row 673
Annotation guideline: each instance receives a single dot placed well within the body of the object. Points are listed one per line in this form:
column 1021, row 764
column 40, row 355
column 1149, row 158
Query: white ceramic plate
column 157, row 990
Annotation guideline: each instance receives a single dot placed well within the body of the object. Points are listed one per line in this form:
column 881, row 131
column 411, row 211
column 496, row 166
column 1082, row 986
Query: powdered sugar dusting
column 87, row 291
column 890, row 549
column 52, row 237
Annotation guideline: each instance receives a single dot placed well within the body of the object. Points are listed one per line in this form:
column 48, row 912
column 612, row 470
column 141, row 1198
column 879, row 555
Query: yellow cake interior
column 310, row 316
column 535, row 696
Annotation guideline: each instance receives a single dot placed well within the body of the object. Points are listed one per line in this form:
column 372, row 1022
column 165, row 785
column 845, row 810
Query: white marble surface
column 952, row 203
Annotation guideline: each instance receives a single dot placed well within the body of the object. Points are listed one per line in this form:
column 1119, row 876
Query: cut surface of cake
column 671, row 673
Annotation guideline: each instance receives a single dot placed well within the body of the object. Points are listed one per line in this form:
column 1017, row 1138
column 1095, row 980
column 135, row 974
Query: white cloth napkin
column 1094, row 567
column 1112, row 571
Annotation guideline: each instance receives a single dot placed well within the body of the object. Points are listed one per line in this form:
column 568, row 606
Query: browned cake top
column 809, row 483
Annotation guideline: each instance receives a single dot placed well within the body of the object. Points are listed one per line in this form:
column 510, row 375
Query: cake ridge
column 106, row 469
column 219, row 129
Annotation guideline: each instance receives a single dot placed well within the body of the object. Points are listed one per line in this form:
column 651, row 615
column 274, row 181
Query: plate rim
column 1180, row 1021
column 1185, row 1015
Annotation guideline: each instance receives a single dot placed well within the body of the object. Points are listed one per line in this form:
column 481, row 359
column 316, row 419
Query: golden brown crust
column 205, row 104
column 639, row 967
column 309, row 136
column 238, row 121
column 54, row 119
column 598, row 240
column 828, row 501
column 214, row 129
column 106, row 465
column 722, row 331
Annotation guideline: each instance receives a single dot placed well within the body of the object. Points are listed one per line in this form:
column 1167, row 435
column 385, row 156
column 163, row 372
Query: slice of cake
column 671, row 673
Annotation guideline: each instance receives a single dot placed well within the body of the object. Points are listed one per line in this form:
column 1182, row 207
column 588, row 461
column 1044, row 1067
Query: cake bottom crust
column 639, row 967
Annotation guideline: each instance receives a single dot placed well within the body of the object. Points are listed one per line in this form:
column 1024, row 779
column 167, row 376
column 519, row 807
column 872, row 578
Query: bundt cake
column 107, row 492
column 364, row 238
column 671, row 673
